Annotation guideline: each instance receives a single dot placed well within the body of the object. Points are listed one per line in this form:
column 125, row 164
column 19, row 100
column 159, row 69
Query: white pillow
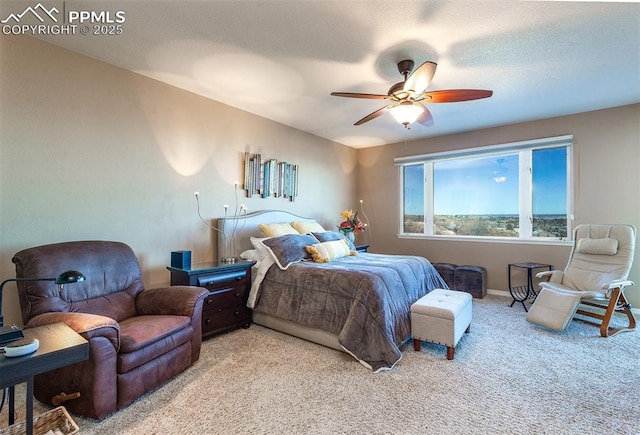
column 261, row 250
column 251, row 255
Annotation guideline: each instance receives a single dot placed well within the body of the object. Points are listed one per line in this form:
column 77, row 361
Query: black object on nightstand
column 362, row 248
column 225, row 307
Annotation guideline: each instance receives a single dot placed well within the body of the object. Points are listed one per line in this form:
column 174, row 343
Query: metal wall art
column 270, row 178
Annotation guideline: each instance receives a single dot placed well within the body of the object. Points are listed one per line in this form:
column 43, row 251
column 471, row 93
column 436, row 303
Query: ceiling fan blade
column 455, row 95
column 357, row 95
column 425, row 117
column 373, row 115
column 420, row 79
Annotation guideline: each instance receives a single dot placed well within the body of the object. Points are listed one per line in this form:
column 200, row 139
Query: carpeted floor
column 508, row 376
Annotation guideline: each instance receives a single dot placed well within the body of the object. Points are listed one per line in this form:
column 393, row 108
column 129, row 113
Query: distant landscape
column 487, row 225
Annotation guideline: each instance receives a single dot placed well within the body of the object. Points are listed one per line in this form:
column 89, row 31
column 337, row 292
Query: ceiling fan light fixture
column 406, row 96
column 406, row 112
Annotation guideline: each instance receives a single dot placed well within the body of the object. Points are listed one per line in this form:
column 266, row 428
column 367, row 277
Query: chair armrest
column 87, row 325
column 617, row 283
column 550, row 275
column 175, row 300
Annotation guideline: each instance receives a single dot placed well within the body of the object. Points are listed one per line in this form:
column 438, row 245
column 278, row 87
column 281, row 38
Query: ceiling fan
column 407, row 97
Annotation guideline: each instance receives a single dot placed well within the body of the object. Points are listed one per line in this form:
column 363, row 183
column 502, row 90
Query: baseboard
column 506, row 294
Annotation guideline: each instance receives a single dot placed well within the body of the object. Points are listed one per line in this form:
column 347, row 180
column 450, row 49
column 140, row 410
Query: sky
column 467, row 186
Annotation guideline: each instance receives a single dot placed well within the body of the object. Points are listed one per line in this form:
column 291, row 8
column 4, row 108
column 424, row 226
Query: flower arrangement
column 351, row 222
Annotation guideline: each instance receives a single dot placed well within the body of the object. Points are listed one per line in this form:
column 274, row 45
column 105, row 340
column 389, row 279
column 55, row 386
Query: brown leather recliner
column 138, row 339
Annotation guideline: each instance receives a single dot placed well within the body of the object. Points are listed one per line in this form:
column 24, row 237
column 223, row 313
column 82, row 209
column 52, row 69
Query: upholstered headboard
column 246, row 227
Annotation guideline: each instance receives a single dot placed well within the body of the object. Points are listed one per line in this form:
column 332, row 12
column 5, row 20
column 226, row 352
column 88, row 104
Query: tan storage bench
column 441, row 316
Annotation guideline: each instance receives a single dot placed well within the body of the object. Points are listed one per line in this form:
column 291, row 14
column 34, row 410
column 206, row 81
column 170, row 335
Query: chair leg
column 617, row 303
column 617, row 299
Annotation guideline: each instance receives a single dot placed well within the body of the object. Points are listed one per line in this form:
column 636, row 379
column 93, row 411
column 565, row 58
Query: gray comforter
column 365, row 300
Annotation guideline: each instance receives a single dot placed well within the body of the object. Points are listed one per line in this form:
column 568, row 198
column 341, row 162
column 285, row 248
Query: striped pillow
column 324, row 252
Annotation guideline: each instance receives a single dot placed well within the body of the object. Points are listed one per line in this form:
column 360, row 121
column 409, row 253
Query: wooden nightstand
column 225, row 307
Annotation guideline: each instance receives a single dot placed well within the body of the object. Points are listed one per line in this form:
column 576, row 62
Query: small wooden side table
column 59, row 346
column 524, row 292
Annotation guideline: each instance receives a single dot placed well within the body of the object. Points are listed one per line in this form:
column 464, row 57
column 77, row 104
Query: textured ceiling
column 281, row 59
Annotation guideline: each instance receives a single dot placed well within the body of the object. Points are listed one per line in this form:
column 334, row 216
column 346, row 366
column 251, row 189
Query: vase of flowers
column 351, row 225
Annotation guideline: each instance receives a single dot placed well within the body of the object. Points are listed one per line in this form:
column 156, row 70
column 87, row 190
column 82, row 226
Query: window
column 514, row 191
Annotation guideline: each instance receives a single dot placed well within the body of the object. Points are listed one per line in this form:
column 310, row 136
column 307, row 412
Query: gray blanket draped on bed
column 365, row 300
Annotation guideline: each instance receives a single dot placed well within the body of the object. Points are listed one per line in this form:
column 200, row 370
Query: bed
column 359, row 304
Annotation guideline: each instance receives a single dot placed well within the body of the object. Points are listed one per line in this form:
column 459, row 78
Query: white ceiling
column 281, row 59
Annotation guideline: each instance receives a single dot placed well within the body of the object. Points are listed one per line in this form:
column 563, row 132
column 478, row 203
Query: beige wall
column 90, row 151
column 607, row 188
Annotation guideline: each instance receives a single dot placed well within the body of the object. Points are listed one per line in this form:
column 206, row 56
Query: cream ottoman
column 441, row 316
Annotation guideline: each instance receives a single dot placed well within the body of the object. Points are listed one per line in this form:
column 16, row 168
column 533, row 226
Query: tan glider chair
column 593, row 282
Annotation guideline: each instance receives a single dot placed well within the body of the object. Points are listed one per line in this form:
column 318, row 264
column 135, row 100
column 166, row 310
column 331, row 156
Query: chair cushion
column 144, row 338
column 576, row 278
column 604, row 246
column 557, row 287
column 554, row 309
column 591, row 271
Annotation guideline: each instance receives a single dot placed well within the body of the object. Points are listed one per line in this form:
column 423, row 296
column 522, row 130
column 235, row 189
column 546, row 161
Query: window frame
column 525, row 184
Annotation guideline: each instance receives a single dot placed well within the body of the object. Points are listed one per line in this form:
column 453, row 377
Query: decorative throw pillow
column 275, row 230
column 604, row 246
column 324, row 252
column 306, row 227
column 328, row 236
column 288, row 249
